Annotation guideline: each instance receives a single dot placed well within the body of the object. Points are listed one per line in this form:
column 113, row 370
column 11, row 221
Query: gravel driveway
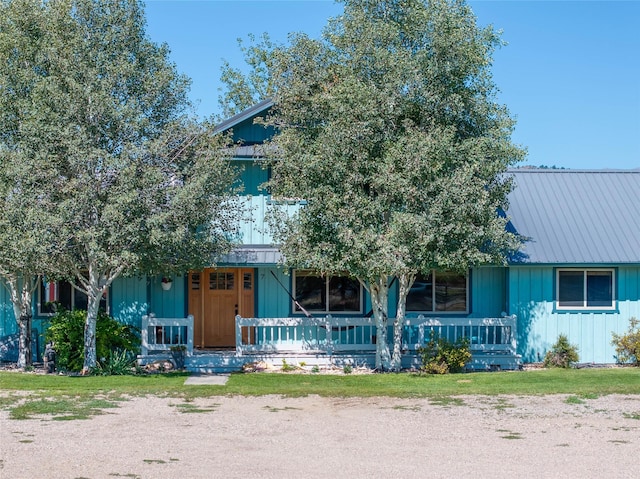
column 313, row 437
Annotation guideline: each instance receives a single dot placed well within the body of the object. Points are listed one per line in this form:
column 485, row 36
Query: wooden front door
column 216, row 296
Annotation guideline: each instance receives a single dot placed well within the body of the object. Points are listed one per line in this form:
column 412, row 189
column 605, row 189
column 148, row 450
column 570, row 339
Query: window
column 585, row 289
column 439, row 291
column 64, row 294
column 333, row 294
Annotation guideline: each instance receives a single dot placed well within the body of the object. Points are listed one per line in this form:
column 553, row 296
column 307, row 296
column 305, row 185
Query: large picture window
column 333, row 294
column 439, row 291
column 585, row 289
column 63, row 294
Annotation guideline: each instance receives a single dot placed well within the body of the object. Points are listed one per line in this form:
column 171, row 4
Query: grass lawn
column 64, row 397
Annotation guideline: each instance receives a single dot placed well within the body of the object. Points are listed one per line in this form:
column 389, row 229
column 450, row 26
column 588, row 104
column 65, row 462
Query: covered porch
column 327, row 342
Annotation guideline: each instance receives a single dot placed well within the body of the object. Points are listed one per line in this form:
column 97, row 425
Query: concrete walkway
column 207, row 380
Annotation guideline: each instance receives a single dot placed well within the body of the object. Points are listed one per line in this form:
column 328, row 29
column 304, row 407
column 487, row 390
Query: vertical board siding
column 253, row 228
column 487, row 290
column 272, row 300
column 128, row 298
column 531, row 298
column 167, row 304
column 7, row 319
column 252, row 177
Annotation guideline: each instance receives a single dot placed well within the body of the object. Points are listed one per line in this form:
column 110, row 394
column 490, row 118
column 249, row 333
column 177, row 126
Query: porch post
column 190, row 334
column 238, row 336
column 144, row 336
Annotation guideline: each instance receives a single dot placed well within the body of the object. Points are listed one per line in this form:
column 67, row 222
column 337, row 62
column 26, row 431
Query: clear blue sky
column 570, row 73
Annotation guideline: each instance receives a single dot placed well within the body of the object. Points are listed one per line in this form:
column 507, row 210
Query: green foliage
column 286, row 367
column 66, row 330
column 562, row 354
column 440, row 356
column 347, row 369
column 628, row 345
column 389, row 127
column 105, row 168
column 117, row 363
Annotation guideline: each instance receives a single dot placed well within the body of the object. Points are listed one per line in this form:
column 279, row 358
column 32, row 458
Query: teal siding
column 129, row 300
column 272, row 300
column 531, row 298
column 253, row 175
column 488, row 292
column 7, row 319
column 249, row 133
column 168, row 304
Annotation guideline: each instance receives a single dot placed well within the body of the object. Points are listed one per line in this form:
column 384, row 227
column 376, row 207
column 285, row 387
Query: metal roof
column 252, row 256
column 576, row 216
column 244, row 115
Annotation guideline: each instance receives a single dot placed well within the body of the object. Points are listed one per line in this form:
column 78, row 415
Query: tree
column 139, row 187
column 25, row 175
column 245, row 90
column 390, row 129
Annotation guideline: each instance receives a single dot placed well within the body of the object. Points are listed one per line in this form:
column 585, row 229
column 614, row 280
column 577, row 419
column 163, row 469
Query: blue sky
column 570, row 73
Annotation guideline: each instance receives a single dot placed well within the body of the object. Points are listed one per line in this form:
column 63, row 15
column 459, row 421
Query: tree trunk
column 405, row 282
column 21, row 294
column 379, row 290
column 94, row 294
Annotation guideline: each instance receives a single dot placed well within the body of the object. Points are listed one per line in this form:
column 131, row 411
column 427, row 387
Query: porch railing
column 160, row 334
column 339, row 334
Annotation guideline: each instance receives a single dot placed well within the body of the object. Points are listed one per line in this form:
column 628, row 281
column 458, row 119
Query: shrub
column 118, row 363
column 440, row 356
column 562, row 354
column 66, row 330
column 628, row 345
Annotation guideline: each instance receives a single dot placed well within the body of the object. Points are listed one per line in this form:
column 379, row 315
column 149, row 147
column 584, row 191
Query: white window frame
column 433, row 298
column 326, row 285
column 584, row 306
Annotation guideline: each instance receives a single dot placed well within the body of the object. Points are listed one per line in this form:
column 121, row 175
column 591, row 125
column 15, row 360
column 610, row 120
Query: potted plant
column 166, row 283
column 178, row 353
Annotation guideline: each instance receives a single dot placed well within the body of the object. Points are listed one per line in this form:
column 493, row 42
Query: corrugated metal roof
column 251, row 256
column 577, row 216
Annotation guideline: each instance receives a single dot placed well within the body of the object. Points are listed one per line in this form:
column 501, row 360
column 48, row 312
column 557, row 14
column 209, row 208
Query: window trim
column 585, row 307
column 467, row 309
column 326, row 279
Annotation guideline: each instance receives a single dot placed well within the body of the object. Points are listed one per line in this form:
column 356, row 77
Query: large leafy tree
column 25, row 175
column 138, row 186
column 390, row 129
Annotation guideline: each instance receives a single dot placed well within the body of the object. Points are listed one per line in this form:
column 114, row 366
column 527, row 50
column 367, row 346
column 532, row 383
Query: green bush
column 440, row 356
column 66, row 330
column 562, row 354
column 628, row 345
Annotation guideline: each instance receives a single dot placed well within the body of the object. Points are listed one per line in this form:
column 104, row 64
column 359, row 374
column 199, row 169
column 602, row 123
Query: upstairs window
column 439, row 292
column 63, row 294
column 332, row 294
column 585, row 289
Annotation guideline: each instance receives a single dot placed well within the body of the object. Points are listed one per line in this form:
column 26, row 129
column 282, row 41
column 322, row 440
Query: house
column 578, row 273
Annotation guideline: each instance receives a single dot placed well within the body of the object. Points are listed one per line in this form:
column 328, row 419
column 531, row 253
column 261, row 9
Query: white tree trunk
column 405, row 282
column 95, row 287
column 379, row 290
column 94, row 295
column 21, row 293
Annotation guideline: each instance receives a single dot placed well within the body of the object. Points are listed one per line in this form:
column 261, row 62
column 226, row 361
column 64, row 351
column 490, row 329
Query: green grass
column 81, row 397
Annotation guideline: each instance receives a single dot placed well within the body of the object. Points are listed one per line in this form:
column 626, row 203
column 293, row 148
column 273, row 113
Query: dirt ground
column 314, row 437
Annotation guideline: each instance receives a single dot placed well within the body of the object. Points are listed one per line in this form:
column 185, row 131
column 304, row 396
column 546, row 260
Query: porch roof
column 576, row 216
column 252, row 256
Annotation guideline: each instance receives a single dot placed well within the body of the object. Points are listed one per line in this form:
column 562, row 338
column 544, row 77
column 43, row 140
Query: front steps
column 227, row 361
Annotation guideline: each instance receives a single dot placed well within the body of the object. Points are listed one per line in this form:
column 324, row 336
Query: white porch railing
column 484, row 334
column 339, row 334
column 160, row 334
